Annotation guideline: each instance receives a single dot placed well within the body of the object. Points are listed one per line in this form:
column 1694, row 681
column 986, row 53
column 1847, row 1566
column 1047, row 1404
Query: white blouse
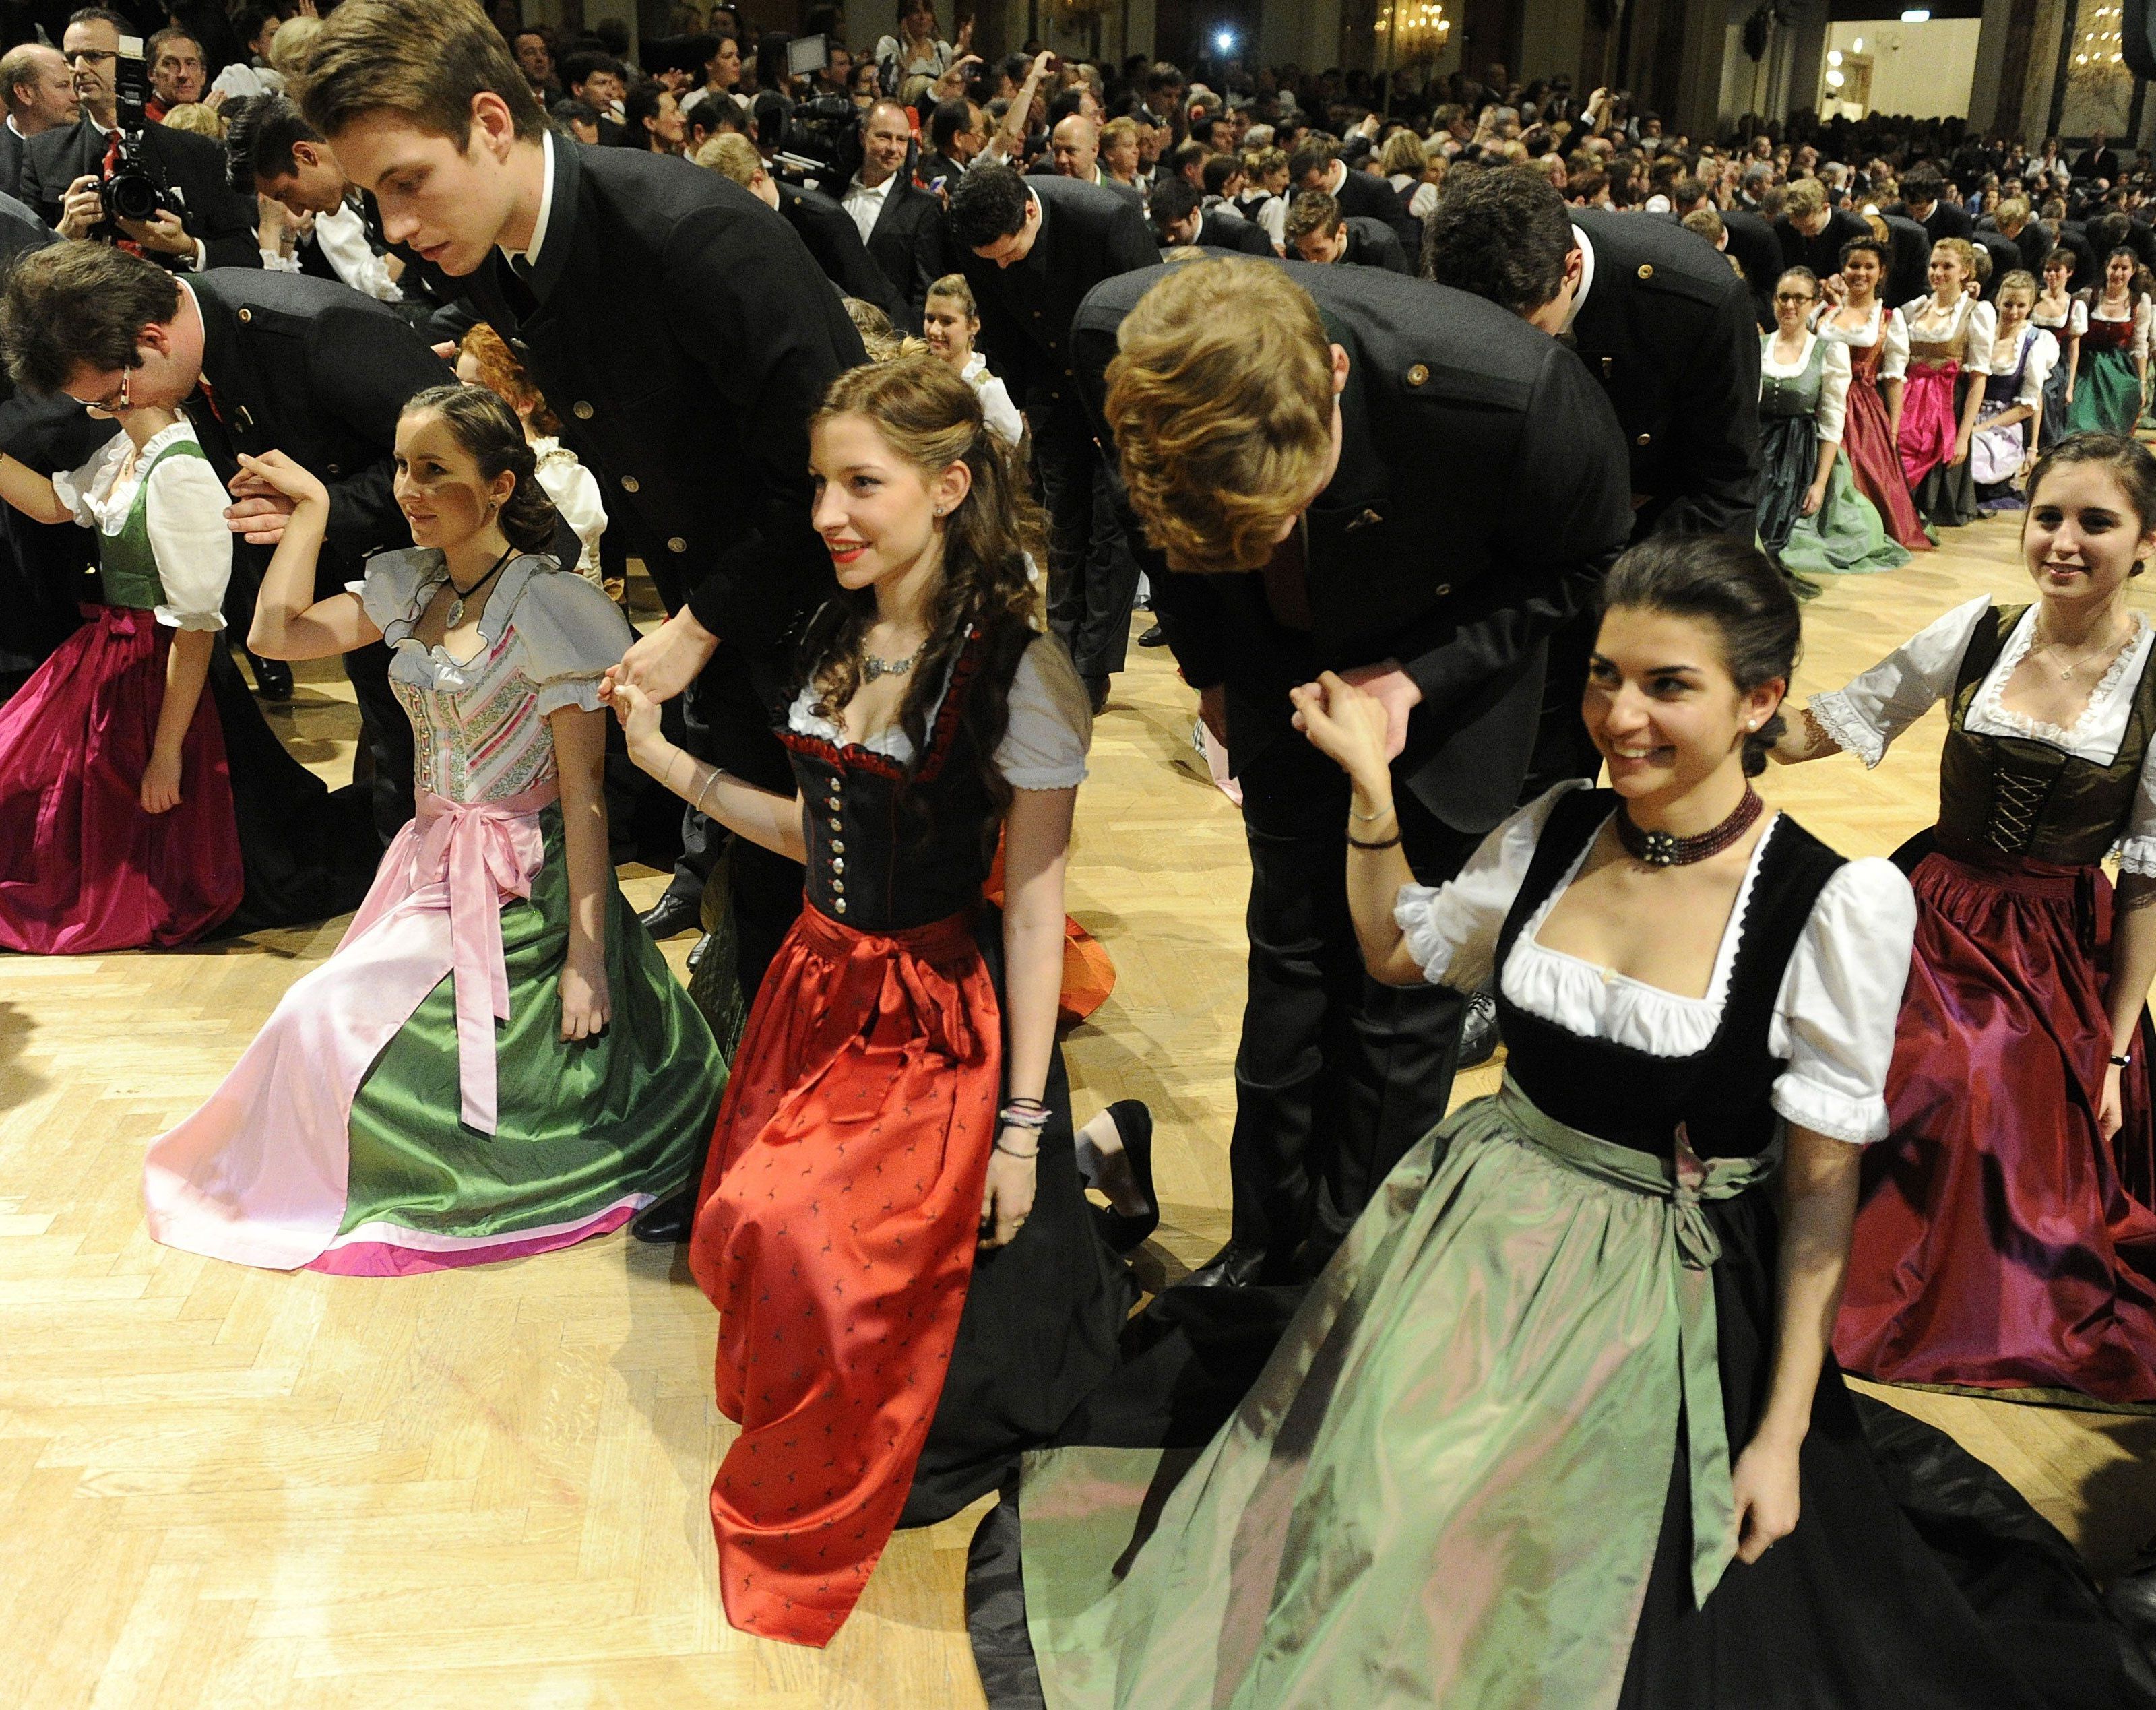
column 997, row 409
column 1834, row 1015
column 2140, row 319
column 184, row 514
column 2073, row 324
column 1867, row 716
column 1044, row 744
column 2043, row 357
column 1886, row 324
column 1927, row 324
column 575, row 492
column 1423, row 202
column 1834, row 381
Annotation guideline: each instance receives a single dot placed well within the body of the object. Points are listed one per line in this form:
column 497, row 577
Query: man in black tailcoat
column 259, row 361
column 637, row 294
column 1031, row 247
column 1434, row 495
column 1655, row 314
column 1316, row 165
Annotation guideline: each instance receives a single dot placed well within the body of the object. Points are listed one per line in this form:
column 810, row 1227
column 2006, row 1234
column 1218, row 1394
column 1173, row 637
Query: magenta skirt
column 82, row 869
column 1928, row 420
column 2002, row 1243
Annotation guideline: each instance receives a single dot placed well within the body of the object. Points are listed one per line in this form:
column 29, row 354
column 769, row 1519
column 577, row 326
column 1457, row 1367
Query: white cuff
column 172, row 619
column 2136, row 855
column 1858, row 1120
column 1839, row 720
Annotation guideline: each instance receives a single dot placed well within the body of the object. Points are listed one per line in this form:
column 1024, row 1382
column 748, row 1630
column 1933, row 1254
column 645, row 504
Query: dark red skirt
column 82, row 867
column 1875, row 464
column 2000, row 1244
column 835, row 1232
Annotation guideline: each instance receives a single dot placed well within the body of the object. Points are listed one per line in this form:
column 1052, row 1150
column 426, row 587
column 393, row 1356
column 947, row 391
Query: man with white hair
column 40, row 94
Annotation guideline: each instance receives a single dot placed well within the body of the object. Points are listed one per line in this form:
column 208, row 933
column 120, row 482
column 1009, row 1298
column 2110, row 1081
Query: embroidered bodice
column 546, row 637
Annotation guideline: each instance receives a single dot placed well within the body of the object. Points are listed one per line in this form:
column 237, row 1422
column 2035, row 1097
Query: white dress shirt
column 864, row 205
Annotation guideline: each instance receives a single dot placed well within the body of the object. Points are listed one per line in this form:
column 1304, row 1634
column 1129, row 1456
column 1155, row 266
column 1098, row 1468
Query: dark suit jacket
column 662, row 288
column 933, row 166
column 1947, row 219
column 313, row 369
column 1909, row 275
column 1481, row 494
column 1369, row 197
column 216, row 213
column 2088, row 271
column 2005, row 257
column 1225, row 231
column 1086, row 235
column 907, row 244
column 835, row 242
column 2096, row 163
column 1822, row 254
column 1672, row 335
column 1373, row 243
column 1759, row 252
column 14, row 150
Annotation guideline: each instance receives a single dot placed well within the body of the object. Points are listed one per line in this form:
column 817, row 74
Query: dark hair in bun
column 488, row 430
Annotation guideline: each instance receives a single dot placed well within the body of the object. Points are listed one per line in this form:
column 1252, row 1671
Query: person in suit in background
column 1073, row 146
column 956, row 134
column 64, row 167
column 1339, row 469
column 1812, row 233
column 2098, row 160
column 1746, row 236
column 1924, row 199
column 178, row 74
column 1317, row 232
column 901, row 225
column 820, row 223
column 1316, row 165
column 39, row 93
column 260, row 362
column 1031, row 247
column 684, row 336
column 1657, row 318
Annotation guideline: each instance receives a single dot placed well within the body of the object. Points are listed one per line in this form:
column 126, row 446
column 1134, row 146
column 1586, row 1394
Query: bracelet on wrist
column 1391, row 842
column 1369, row 819
column 2123, row 1060
column 1012, row 1151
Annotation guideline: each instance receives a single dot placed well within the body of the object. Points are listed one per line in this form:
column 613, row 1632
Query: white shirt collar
column 859, row 188
column 531, row 251
column 16, row 128
column 1586, row 276
column 1339, row 177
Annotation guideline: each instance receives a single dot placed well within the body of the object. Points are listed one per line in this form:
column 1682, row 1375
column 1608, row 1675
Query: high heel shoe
column 1123, row 1232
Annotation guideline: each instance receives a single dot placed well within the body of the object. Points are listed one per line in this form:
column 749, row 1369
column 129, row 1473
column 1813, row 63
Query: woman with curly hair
column 911, row 1285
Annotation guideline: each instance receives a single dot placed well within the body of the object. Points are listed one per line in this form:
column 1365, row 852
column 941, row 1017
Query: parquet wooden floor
column 227, row 1488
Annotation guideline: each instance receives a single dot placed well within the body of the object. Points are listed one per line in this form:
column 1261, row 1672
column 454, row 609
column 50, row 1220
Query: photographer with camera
column 114, row 176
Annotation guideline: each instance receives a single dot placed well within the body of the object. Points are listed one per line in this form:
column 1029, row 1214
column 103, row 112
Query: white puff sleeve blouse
column 183, row 512
column 1834, row 1015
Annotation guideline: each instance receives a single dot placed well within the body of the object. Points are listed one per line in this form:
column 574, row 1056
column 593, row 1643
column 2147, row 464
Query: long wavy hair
column 992, row 539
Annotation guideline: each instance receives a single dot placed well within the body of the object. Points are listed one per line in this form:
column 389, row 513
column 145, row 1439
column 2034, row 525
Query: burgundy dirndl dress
column 2002, row 1244
column 1874, row 465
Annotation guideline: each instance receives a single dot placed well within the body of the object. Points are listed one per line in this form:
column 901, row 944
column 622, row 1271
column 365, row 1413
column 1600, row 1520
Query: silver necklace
column 872, row 667
column 2108, row 652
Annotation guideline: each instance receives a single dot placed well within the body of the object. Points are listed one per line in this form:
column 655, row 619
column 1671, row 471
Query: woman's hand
column 1763, row 1488
column 587, row 1005
column 1814, row 496
column 2111, row 1111
column 1959, row 455
column 1007, row 1199
column 273, row 472
column 636, row 710
column 1349, row 728
column 160, row 794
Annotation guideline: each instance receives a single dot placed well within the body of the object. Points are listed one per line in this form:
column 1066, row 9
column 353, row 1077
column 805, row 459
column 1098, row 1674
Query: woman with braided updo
column 911, row 1285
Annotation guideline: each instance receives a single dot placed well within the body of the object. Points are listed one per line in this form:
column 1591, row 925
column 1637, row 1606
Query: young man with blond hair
column 1338, row 469
column 683, row 333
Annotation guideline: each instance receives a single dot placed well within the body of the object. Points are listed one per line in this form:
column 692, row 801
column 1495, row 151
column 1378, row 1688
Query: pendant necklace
column 455, row 614
column 2109, row 652
column 872, row 667
column 1660, row 849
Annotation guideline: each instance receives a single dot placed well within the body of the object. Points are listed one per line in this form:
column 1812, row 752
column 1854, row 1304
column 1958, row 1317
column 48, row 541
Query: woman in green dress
column 1811, row 517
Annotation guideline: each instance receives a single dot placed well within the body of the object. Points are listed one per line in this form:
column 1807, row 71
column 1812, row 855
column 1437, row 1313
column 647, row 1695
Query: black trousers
column 1092, row 573
column 1337, row 1076
column 386, row 730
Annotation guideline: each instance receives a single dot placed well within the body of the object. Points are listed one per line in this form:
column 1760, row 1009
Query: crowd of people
column 1469, row 443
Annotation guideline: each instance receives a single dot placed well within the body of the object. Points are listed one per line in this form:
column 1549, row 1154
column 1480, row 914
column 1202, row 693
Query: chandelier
column 1416, row 30
column 2099, row 54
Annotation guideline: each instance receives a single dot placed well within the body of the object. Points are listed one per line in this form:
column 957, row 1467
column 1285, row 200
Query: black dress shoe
column 273, row 678
column 664, row 1222
column 1480, row 1035
column 1096, row 691
column 1233, row 1266
column 1154, row 637
column 1123, row 1232
column 672, row 915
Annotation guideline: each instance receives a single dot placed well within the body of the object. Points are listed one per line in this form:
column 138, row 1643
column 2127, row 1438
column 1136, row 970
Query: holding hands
column 267, row 491
column 1351, row 727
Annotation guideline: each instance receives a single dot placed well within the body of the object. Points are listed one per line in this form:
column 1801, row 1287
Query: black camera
column 130, row 190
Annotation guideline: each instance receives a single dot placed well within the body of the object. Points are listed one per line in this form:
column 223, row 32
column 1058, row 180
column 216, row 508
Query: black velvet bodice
column 886, row 852
column 1722, row 1095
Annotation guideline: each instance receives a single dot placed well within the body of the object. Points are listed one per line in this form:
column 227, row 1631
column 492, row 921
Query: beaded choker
column 1659, row 849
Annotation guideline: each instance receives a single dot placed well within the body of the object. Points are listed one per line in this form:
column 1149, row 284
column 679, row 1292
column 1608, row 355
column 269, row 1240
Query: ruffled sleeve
column 183, row 509
column 389, row 591
column 1451, row 929
column 1982, row 326
column 1833, row 393
column 1894, row 333
column 1871, row 710
column 575, row 492
column 1051, row 722
column 76, row 486
column 2043, row 357
column 1834, row 1019
column 570, row 633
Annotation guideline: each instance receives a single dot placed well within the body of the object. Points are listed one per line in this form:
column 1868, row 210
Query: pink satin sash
column 257, row 1175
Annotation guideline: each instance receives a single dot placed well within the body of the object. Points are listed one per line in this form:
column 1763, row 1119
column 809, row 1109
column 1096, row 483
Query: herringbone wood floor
column 227, row 1488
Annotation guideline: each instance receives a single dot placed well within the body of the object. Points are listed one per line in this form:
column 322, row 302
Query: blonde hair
column 292, row 47
column 953, row 285
column 1118, row 131
column 194, row 117
column 1805, row 198
column 1965, row 254
column 731, row 156
column 1221, row 400
column 1403, row 153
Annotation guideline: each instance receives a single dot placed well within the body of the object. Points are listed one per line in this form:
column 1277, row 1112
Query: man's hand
column 82, row 207
column 161, row 232
column 259, row 511
column 1396, row 691
column 666, row 661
